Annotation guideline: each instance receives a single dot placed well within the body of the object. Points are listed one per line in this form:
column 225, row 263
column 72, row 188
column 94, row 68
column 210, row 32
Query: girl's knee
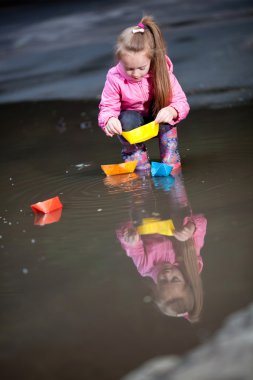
column 130, row 120
column 167, row 130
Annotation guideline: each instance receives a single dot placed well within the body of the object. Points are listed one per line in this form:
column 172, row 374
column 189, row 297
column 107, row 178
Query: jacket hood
column 169, row 64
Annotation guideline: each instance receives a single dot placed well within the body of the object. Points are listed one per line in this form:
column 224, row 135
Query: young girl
column 173, row 262
column 141, row 88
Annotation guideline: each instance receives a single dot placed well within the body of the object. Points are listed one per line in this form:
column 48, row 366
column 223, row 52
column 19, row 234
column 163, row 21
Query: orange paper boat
column 42, row 219
column 124, row 167
column 47, row 206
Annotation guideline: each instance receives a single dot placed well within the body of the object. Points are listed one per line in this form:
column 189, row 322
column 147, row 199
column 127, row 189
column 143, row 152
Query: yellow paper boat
column 124, row 167
column 156, row 226
column 142, row 133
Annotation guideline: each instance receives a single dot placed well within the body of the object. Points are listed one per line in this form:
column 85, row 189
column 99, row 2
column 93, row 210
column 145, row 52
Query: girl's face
column 171, row 283
column 136, row 65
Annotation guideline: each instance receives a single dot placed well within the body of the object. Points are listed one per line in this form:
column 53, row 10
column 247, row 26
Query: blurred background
column 62, row 50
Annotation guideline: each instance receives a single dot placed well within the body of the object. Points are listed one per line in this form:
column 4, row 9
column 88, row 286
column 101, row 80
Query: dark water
column 73, row 305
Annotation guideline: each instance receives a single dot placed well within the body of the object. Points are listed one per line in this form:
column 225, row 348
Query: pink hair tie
column 141, row 25
column 184, row 315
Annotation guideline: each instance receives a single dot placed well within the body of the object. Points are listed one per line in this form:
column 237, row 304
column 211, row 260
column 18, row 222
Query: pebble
column 85, row 125
column 25, row 271
column 99, row 209
column 147, row 299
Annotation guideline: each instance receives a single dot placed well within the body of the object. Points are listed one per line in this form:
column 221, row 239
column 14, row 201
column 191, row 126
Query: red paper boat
column 47, row 206
column 43, row 219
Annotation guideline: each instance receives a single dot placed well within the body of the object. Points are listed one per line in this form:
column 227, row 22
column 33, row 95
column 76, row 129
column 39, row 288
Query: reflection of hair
column 193, row 302
column 153, row 43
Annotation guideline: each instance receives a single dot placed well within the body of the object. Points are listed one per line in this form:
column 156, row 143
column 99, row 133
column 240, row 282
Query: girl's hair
column 193, row 302
column 152, row 42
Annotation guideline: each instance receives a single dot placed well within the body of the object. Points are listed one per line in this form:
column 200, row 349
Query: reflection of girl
column 173, row 263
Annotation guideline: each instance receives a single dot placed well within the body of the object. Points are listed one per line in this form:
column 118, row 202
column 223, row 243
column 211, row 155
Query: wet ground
column 73, row 304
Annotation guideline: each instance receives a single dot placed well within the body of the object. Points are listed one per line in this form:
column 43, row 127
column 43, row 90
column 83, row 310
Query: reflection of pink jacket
column 153, row 250
column 123, row 93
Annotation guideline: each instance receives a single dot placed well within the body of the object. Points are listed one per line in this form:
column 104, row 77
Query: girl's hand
column 131, row 236
column 166, row 115
column 186, row 232
column 113, row 127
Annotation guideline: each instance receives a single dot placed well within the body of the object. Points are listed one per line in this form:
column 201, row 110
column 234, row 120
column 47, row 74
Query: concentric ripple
column 84, row 191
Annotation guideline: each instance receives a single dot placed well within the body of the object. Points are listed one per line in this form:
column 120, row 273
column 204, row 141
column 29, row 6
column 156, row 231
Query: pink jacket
column 121, row 93
column 153, row 250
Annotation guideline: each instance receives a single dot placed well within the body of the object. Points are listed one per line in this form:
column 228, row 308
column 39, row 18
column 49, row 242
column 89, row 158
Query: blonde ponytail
column 152, row 42
column 191, row 271
column 162, row 87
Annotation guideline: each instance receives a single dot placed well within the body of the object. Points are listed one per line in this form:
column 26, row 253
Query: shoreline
column 95, row 102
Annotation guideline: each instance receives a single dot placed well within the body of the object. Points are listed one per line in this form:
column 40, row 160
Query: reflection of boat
column 124, row 167
column 156, row 226
column 42, row 219
column 120, row 179
column 123, row 183
column 164, row 183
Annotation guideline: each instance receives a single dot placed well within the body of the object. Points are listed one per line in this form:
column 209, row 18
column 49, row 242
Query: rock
column 226, row 356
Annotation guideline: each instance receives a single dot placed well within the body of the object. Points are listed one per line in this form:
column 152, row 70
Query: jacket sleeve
column 136, row 252
column 131, row 250
column 110, row 103
column 178, row 100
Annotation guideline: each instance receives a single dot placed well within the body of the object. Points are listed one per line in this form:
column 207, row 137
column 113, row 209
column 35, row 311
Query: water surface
column 74, row 306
